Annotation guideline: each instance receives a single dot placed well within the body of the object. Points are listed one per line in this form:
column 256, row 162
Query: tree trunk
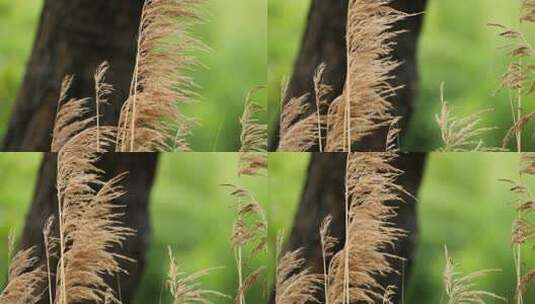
column 141, row 168
column 73, row 38
column 324, row 195
column 324, row 42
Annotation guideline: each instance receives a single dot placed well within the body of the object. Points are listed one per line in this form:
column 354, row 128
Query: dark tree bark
column 73, row 38
column 324, row 42
column 324, row 195
column 141, row 168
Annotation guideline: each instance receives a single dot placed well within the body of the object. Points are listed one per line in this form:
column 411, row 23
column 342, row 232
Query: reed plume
column 353, row 271
column 89, row 221
column 363, row 106
column 253, row 138
column 102, row 93
column 186, row 289
column 24, row 285
column 70, row 117
column 518, row 78
column 249, row 229
column 460, row 134
column 298, row 134
column 327, row 245
column 165, row 51
column 523, row 229
column 461, row 289
column 294, row 286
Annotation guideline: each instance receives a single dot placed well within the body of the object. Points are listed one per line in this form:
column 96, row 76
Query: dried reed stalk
column 523, row 229
column 293, row 285
column 461, row 289
column 102, row 92
column 363, row 106
column 518, row 78
column 370, row 182
column 24, row 285
column 186, row 288
column 89, row 221
column 253, row 138
column 327, row 245
column 460, row 134
column 149, row 118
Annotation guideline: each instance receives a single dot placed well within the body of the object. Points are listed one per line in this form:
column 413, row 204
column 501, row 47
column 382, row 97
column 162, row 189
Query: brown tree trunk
column 141, row 168
column 74, row 37
column 324, row 195
column 324, row 42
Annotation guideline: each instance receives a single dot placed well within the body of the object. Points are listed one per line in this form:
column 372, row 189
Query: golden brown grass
column 293, row 285
column 460, row 134
column 370, row 182
column 249, row 230
column 24, row 285
column 253, row 138
column 518, row 78
column 150, row 119
column 364, row 106
column 461, row 289
column 185, row 288
column 523, row 229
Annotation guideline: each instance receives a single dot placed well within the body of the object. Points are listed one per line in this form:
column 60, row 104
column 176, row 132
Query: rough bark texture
column 141, row 169
column 73, row 38
column 324, row 42
column 324, row 194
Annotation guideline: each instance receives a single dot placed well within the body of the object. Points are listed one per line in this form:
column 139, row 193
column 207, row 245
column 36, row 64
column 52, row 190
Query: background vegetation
column 456, row 47
column 235, row 64
column 470, row 213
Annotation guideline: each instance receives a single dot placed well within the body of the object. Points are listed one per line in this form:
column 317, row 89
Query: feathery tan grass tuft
column 518, row 78
column 166, row 50
column 24, row 285
column 462, row 289
column 523, row 228
column 70, row 117
column 249, row 229
column 370, row 182
column 253, row 138
column 89, row 223
column 294, row 286
column 298, row 134
column 460, row 134
column 102, row 92
column 363, row 106
column 327, row 245
column 186, row 288
column 321, row 90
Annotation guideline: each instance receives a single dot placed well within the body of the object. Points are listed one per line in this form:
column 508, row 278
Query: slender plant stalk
column 61, row 245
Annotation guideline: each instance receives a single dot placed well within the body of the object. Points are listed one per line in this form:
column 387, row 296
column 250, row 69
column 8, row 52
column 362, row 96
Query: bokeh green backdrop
column 462, row 204
column 456, row 47
column 235, row 32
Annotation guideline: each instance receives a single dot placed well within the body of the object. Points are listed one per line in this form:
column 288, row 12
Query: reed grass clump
column 364, row 106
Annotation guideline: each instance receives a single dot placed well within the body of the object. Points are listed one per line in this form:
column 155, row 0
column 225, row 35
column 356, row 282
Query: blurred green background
column 470, row 213
column 235, row 65
column 456, row 47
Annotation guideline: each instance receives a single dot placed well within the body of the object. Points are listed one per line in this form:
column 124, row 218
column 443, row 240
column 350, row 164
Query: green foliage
column 235, row 64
